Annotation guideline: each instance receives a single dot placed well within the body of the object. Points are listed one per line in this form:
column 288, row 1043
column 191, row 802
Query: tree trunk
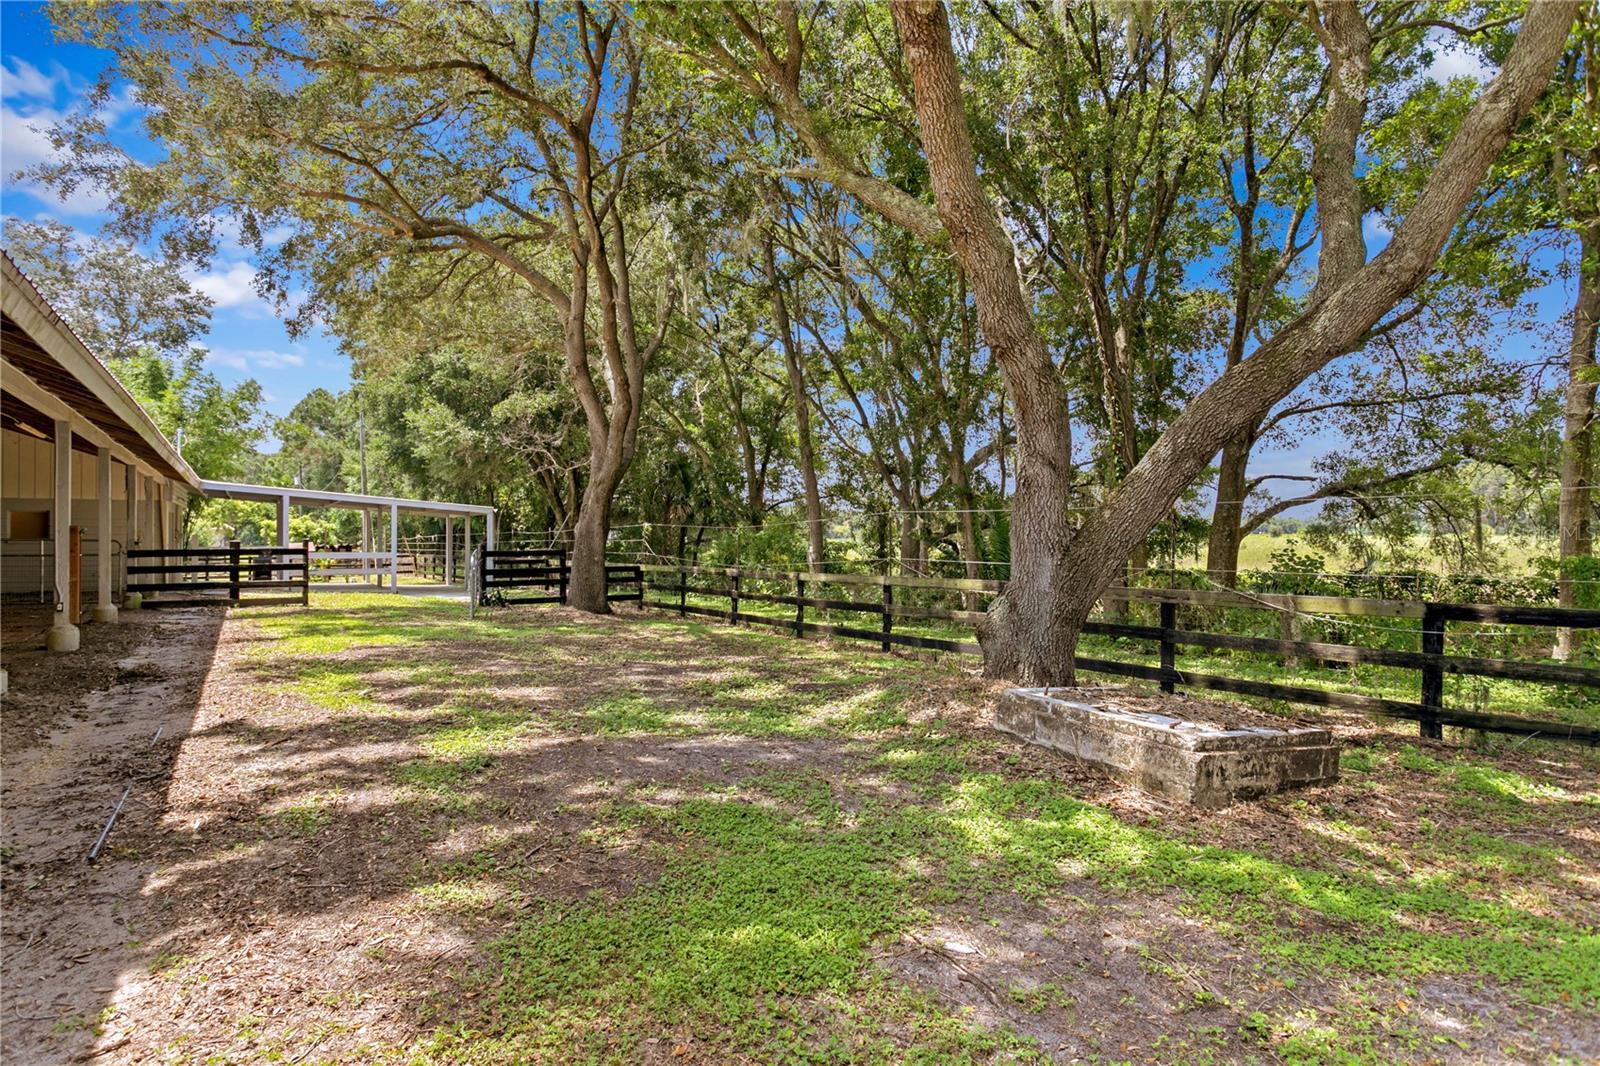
column 1032, row 628
column 802, row 415
column 910, row 543
column 1227, row 515
column 968, row 529
column 1577, row 435
column 587, row 588
column 1028, row 633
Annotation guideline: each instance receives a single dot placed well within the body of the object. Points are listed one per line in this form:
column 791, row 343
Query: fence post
column 1432, row 672
column 74, row 574
column 561, row 574
column 888, row 613
column 800, row 606
column 305, row 574
column 683, row 591
column 1289, row 629
column 733, row 598
column 233, row 570
column 1169, row 672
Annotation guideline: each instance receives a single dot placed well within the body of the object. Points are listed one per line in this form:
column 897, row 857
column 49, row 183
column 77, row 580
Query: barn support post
column 488, row 530
column 158, row 500
column 104, row 609
column 394, row 547
column 63, row 635
column 152, row 528
column 131, row 601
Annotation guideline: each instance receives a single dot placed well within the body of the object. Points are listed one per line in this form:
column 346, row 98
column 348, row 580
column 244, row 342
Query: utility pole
column 361, row 441
column 366, row 514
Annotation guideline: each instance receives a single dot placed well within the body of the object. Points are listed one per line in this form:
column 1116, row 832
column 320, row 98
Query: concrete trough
column 1197, row 762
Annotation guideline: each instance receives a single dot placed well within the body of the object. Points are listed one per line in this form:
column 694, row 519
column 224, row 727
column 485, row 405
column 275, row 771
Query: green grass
column 764, row 885
column 629, row 714
column 1515, row 554
column 758, row 908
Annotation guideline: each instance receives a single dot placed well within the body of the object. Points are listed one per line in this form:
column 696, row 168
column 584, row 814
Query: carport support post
column 150, row 502
column 283, row 532
column 131, row 600
column 488, row 530
column 104, row 610
column 394, row 547
column 366, row 546
column 63, row 635
column 449, row 550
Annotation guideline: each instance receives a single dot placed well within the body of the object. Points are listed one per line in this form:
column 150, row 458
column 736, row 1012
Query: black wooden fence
column 1431, row 663
column 541, row 575
column 244, row 577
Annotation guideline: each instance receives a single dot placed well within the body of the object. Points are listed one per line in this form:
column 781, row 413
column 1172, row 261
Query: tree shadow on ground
column 551, row 835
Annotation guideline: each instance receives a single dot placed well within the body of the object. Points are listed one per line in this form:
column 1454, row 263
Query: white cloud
column 230, row 235
column 254, row 358
column 24, row 144
column 122, row 103
column 22, row 80
column 22, row 137
column 1374, row 227
column 1452, row 59
column 27, row 116
column 232, row 287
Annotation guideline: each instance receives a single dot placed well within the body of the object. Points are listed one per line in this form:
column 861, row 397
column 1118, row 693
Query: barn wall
column 27, row 483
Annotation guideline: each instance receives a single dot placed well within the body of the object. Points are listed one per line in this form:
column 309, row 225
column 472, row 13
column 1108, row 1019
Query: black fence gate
column 243, row 577
column 502, row 578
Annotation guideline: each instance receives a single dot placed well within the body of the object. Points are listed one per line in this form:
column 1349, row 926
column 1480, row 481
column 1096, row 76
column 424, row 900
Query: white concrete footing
column 132, row 601
column 62, row 638
column 106, row 613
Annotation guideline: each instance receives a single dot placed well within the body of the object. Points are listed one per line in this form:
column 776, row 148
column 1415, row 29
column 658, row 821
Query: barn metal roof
column 50, row 373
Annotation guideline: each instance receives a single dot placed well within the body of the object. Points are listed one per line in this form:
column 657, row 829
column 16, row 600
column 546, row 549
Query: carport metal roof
column 353, row 500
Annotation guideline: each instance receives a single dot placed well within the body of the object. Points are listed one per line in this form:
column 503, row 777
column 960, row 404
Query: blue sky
column 41, row 81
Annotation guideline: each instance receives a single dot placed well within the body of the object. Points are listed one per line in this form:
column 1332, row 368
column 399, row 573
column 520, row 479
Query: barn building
column 76, row 452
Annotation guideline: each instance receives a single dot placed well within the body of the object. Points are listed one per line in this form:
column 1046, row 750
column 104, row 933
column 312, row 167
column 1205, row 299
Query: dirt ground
column 79, row 730
column 321, row 849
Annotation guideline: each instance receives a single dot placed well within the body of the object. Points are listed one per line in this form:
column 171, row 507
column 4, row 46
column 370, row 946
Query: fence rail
column 233, row 575
column 329, row 564
column 1431, row 662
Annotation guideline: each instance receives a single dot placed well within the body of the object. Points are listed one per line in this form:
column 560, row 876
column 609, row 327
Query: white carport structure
column 78, row 451
column 372, row 563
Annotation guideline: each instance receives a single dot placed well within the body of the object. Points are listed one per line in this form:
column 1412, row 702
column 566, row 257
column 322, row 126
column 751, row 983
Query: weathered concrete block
column 1199, row 763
